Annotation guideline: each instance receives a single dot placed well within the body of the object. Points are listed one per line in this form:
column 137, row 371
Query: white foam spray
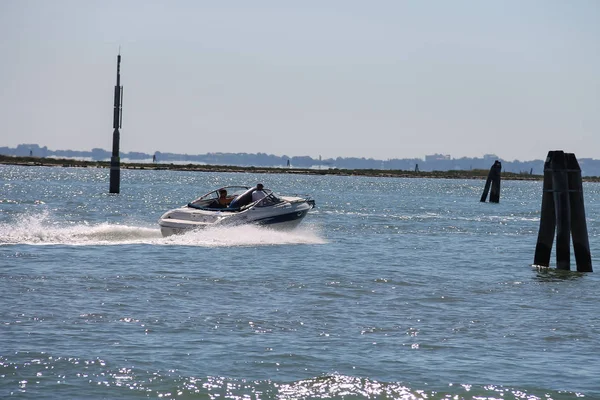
column 40, row 229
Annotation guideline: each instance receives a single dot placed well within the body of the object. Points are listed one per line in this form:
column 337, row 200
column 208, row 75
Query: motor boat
column 280, row 212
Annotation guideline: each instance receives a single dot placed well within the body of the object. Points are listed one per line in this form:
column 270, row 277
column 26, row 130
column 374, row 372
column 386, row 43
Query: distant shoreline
column 454, row 174
column 473, row 174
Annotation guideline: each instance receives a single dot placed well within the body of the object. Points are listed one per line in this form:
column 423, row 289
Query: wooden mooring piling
column 563, row 213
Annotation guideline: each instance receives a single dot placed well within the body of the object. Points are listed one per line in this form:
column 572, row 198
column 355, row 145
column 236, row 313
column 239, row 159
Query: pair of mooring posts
column 493, row 180
column 563, row 212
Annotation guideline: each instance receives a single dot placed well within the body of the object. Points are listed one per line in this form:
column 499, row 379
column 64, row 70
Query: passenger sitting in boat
column 223, row 200
column 258, row 193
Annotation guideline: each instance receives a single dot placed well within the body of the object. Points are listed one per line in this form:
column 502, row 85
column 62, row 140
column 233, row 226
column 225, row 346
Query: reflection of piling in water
column 493, row 180
column 563, row 212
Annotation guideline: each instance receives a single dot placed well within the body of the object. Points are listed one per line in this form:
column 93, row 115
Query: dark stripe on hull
column 278, row 219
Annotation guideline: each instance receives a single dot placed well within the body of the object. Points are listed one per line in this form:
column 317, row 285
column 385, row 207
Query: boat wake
column 246, row 235
column 40, row 230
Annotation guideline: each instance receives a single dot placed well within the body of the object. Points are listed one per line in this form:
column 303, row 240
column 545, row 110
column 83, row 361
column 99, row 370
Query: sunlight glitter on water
column 97, row 377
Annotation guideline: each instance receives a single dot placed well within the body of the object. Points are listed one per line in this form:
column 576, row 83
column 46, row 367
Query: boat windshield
column 240, row 198
column 270, row 199
column 211, row 197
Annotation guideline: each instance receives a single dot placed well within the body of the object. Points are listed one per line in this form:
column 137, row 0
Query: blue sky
column 380, row 79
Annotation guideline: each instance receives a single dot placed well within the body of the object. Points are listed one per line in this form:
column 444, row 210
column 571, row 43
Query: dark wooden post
column 115, row 160
column 581, row 244
column 560, row 185
column 496, row 170
column 493, row 180
column 543, row 248
column 486, row 188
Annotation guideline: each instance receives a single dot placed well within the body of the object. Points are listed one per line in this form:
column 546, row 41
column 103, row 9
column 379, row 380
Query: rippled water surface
column 390, row 288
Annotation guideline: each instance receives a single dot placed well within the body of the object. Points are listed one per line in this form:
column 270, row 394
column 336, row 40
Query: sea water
column 390, row 288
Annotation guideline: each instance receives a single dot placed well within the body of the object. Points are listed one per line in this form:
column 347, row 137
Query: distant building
column 438, row 157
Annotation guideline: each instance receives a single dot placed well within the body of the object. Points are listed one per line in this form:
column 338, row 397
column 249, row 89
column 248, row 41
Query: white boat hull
column 284, row 216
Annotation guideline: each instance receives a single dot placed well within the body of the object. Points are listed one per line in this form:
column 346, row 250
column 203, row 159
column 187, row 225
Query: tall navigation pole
column 115, row 160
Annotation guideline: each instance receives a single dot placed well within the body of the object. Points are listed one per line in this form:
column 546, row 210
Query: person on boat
column 258, row 193
column 223, row 199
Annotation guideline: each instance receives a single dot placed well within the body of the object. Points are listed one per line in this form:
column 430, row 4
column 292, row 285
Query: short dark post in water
column 563, row 212
column 493, row 180
column 115, row 160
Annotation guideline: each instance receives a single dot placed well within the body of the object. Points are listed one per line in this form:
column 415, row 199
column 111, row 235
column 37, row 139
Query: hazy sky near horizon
column 381, row 79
